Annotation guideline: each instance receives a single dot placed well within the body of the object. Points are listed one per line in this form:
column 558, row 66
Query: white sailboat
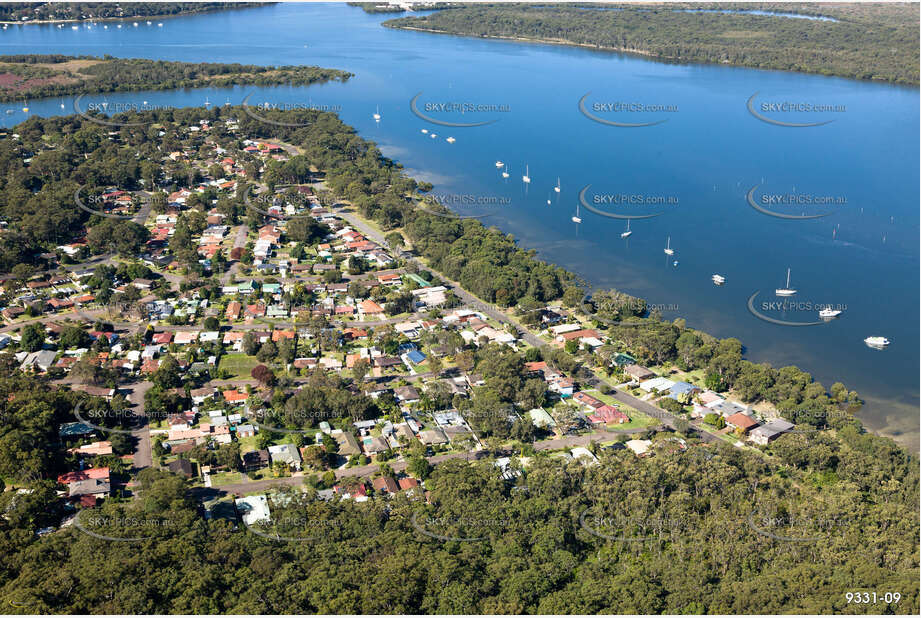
column 577, row 218
column 628, row 232
column 668, row 247
column 557, row 187
column 786, row 290
column 526, row 178
column 377, row 114
column 505, row 172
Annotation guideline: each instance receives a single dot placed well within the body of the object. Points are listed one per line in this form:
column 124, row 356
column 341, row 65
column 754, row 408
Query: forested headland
column 88, row 11
column 27, row 76
column 866, row 41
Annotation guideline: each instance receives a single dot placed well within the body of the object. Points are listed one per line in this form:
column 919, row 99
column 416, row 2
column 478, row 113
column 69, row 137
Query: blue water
column 755, row 12
column 706, row 156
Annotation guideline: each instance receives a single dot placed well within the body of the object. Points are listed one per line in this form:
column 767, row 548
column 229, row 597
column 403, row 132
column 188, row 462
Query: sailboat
column 557, row 187
column 505, row 172
column 576, row 218
column 785, row 291
column 548, row 200
column 499, row 164
column 526, row 178
column 207, row 102
column 628, row 232
column 377, row 114
column 668, row 247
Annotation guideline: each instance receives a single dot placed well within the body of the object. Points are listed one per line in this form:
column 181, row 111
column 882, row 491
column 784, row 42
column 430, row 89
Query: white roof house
column 253, row 509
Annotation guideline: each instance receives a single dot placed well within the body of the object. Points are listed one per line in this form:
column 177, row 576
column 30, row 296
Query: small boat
column 876, row 342
column 668, row 247
column 787, row 290
column 149, row 23
column 505, row 172
column 59, row 26
column 74, row 27
column 675, row 263
column 499, row 164
column 450, row 140
column 828, row 313
column 377, row 114
column 119, row 26
column 160, row 25
column 105, row 27
column 25, row 107
column 557, row 187
column 548, row 200
column 576, row 218
column 627, row 233
column 718, row 279
column 425, row 130
column 433, row 135
column 135, row 24
column 62, row 105
column 526, row 178
column 207, row 102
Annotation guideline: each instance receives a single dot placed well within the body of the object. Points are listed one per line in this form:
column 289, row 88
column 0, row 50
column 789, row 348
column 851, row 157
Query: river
column 702, row 150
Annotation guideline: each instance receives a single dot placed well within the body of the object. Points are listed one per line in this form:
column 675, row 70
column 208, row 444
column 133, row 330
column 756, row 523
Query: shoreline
column 45, row 22
column 641, row 53
column 907, row 440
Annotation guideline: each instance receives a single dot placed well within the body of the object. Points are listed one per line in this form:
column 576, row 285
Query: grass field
column 238, row 365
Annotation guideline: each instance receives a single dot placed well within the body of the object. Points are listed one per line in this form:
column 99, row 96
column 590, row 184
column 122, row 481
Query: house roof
column 742, row 421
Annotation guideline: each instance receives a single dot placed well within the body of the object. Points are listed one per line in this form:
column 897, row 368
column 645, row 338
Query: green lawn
column 638, row 420
column 226, row 478
column 238, row 365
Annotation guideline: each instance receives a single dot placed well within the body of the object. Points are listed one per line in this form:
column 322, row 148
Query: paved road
column 143, row 456
column 362, row 471
column 239, row 241
column 460, row 292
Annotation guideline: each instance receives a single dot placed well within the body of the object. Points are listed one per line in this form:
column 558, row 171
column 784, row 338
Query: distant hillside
column 36, row 76
column 26, row 12
column 860, row 41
